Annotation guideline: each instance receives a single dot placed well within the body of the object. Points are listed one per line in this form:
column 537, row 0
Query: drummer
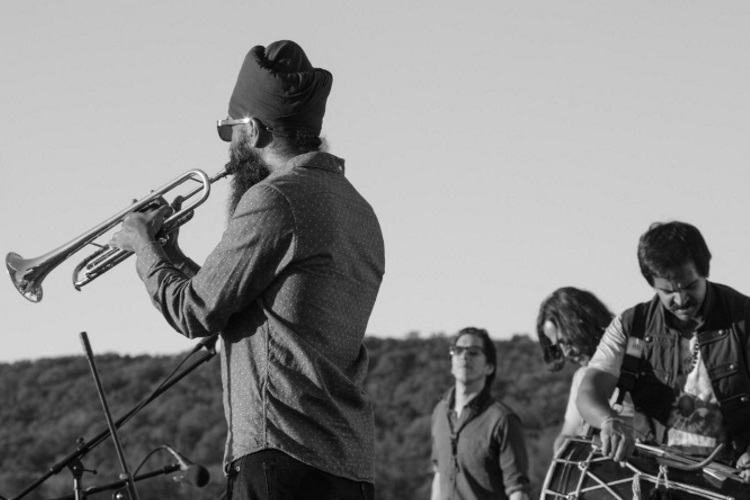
column 683, row 356
column 570, row 324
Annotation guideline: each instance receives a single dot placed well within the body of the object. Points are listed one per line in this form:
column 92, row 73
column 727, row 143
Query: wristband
column 611, row 418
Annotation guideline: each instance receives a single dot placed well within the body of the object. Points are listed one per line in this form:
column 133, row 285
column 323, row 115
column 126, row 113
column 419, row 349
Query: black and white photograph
column 384, row 250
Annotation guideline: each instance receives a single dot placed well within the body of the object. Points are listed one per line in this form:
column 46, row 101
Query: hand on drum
column 617, row 439
column 743, row 465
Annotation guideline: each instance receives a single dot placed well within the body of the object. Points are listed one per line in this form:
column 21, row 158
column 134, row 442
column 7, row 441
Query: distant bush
column 48, row 404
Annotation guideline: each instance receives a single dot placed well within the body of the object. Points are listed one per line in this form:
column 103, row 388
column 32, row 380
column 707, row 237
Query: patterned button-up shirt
column 290, row 286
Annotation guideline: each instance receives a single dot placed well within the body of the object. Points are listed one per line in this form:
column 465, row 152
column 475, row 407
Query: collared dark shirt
column 482, row 454
column 290, row 286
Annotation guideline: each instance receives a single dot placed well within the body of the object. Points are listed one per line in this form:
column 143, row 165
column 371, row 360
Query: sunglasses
column 471, row 350
column 224, row 127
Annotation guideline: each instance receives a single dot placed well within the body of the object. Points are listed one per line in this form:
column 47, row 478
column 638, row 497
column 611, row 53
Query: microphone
column 194, row 474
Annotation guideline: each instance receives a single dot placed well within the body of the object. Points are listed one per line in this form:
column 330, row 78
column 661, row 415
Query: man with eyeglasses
column 478, row 447
column 289, row 288
column 682, row 356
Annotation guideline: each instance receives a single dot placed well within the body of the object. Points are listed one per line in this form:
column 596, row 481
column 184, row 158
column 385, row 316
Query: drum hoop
column 590, row 458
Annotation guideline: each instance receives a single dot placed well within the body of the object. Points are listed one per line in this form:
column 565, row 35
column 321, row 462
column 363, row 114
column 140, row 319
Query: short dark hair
column 667, row 246
column 488, row 347
column 579, row 315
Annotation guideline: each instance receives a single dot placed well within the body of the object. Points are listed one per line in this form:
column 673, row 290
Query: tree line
column 47, row 405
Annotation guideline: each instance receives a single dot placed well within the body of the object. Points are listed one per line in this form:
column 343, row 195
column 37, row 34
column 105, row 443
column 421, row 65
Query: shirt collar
column 476, row 403
column 323, row 161
column 708, row 302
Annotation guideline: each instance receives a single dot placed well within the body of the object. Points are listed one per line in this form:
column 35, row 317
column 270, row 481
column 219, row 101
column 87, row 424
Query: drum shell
column 579, row 472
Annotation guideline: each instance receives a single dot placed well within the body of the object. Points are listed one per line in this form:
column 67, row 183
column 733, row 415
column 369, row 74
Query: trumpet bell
column 26, row 276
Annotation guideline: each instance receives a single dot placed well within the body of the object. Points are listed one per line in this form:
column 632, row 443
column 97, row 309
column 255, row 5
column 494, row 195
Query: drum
column 579, row 472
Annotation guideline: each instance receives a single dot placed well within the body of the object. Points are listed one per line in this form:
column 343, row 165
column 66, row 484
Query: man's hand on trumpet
column 139, row 229
column 172, row 247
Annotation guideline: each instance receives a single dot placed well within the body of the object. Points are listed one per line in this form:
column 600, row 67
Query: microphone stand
column 168, row 469
column 84, row 447
column 130, row 483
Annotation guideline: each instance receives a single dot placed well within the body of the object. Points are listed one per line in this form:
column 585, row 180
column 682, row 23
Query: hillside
column 48, row 404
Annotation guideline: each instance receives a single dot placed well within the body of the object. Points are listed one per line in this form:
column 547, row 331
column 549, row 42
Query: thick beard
column 248, row 169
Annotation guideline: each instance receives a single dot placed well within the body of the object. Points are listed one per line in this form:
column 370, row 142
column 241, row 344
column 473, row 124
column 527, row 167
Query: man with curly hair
column 570, row 324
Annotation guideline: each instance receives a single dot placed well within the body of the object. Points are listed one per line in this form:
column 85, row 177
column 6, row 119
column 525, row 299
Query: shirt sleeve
column 434, row 453
column 611, row 350
column 514, row 462
column 256, row 246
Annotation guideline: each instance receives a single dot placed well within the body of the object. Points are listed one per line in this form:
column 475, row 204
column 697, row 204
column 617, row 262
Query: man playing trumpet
column 289, row 287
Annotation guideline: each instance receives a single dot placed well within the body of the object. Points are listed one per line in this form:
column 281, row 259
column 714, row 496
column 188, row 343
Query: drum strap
column 633, row 354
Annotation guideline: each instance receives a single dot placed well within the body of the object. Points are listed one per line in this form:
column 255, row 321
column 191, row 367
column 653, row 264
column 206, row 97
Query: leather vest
column 653, row 356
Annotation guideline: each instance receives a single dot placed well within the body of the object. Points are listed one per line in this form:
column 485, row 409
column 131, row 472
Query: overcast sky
column 509, row 148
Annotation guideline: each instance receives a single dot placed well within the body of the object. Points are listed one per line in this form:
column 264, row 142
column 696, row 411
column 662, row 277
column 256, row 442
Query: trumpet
column 27, row 274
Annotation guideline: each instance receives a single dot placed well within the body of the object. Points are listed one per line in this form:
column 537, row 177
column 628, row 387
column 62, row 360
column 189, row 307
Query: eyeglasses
column 224, row 127
column 472, row 350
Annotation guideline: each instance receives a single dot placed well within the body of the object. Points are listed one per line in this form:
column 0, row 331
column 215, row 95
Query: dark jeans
column 274, row 475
